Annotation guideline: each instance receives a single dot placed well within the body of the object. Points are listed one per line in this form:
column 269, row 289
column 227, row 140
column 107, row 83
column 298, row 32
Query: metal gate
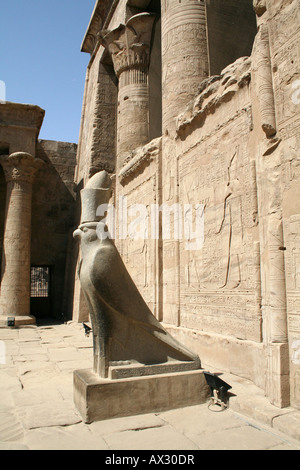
column 40, row 298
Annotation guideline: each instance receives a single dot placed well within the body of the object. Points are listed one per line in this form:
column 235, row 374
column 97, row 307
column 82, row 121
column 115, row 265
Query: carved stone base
column 118, row 371
column 98, row 399
column 19, row 320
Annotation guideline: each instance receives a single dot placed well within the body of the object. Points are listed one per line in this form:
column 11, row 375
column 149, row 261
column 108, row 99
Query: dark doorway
column 232, row 27
column 40, row 295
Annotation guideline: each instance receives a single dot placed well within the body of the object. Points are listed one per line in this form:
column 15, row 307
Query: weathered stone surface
column 189, row 427
column 45, row 415
column 64, row 438
column 148, row 439
column 184, row 56
column 10, row 428
column 286, row 422
column 99, row 399
column 230, row 120
column 54, row 214
column 37, row 178
column 225, row 117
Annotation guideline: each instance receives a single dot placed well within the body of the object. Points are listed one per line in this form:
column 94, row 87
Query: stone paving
column 37, row 410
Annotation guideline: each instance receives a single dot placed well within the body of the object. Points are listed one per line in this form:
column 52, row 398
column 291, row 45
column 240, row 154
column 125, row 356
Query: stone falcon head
column 97, row 192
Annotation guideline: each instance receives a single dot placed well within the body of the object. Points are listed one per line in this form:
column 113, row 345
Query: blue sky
column 41, row 62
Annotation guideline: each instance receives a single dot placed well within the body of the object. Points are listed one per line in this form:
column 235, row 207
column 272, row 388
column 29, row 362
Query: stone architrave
column 19, row 169
column 129, row 46
column 184, row 56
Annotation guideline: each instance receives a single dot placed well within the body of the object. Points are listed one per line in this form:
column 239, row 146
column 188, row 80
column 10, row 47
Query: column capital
column 20, row 166
column 129, row 45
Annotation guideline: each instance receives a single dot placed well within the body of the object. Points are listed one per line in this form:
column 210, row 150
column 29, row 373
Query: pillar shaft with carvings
column 184, row 56
column 129, row 46
column 19, row 169
column 265, row 82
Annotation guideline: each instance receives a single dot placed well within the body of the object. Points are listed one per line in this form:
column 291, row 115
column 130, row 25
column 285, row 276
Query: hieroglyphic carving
column 232, row 209
column 103, row 137
column 284, row 26
column 214, row 92
column 222, row 280
column 140, row 158
column 292, row 231
column 140, row 245
column 184, row 56
column 254, row 199
column 286, row 82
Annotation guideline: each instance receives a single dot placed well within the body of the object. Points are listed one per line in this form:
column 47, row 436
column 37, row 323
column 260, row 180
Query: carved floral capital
column 20, row 166
column 129, row 45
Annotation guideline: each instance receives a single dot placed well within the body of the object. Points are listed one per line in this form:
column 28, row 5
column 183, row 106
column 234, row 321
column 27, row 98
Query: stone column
column 184, row 67
column 265, row 82
column 184, row 56
column 277, row 385
column 129, row 46
column 19, row 169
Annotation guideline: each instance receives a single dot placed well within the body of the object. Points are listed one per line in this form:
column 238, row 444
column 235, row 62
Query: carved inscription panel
column 284, row 29
column 138, row 247
column 219, row 283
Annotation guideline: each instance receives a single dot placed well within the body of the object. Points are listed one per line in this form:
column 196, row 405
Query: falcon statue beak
column 77, row 233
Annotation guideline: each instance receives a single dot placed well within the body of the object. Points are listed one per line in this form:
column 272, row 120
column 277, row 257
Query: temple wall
column 139, row 187
column 231, row 149
column 214, row 287
column 53, row 209
column 219, row 288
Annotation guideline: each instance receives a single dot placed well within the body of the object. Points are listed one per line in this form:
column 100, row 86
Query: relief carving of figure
column 232, row 214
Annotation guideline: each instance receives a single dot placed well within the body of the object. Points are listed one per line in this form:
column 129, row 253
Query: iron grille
column 40, row 279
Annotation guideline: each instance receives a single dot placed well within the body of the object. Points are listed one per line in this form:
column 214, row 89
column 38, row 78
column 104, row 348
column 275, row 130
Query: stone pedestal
column 129, row 46
column 19, row 169
column 98, row 399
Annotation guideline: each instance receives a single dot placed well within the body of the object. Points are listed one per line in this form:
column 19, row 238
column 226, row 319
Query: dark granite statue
column 128, row 339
